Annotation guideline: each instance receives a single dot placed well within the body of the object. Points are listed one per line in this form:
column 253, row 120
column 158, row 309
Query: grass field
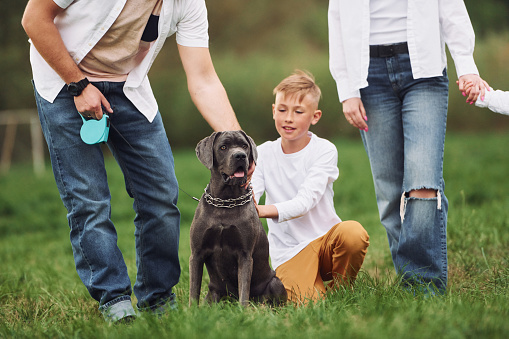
column 41, row 295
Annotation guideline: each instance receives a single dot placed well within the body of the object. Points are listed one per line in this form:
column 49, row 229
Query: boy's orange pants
column 335, row 257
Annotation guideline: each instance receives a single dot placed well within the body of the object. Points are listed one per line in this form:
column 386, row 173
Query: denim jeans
column 405, row 146
column 144, row 155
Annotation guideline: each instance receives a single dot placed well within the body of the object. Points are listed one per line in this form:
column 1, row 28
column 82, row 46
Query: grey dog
column 226, row 233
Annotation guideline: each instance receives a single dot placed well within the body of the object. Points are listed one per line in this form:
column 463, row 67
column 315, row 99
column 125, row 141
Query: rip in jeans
column 404, row 200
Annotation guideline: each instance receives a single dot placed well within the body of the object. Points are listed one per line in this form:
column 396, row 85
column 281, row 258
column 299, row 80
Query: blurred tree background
column 255, row 44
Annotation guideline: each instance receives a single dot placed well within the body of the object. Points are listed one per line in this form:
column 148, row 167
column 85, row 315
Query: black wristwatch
column 75, row 88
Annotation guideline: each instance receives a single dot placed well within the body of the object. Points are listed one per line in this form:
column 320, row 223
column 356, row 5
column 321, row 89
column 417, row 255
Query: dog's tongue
column 239, row 174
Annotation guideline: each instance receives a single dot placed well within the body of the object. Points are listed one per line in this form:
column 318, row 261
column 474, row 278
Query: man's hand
column 38, row 22
column 355, row 114
column 89, row 103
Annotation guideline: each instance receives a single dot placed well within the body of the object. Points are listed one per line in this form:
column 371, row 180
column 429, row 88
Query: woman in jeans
column 388, row 59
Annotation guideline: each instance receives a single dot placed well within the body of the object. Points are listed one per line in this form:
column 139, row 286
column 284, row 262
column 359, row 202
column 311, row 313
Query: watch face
column 73, row 89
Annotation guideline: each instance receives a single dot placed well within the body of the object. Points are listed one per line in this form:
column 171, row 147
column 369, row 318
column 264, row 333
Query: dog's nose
column 240, row 155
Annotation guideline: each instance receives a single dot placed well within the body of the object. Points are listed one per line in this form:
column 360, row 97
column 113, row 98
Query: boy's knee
column 354, row 237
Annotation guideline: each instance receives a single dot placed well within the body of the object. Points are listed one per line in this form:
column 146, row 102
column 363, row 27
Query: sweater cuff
column 484, row 103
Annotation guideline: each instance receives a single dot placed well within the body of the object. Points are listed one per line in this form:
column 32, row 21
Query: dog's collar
column 228, row 203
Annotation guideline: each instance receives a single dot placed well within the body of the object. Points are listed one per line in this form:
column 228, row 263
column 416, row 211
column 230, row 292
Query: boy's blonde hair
column 300, row 83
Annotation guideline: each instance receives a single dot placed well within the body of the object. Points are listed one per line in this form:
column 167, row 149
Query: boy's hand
column 355, row 114
column 266, row 211
column 250, row 172
column 256, row 206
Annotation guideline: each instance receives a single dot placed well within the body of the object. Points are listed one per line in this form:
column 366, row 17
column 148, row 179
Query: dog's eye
column 223, row 147
column 245, row 146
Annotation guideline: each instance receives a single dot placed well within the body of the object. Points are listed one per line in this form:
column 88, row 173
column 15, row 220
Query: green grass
column 42, row 296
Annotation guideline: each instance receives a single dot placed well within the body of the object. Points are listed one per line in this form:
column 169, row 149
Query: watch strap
column 75, row 88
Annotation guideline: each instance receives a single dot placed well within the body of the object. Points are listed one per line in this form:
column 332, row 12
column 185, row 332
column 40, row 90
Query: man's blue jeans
column 405, row 145
column 143, row 153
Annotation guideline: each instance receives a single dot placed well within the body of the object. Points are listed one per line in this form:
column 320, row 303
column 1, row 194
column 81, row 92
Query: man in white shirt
column 92, row 58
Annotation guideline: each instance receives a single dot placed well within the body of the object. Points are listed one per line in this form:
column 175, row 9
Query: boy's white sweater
column 497, row 101
column 300, row 186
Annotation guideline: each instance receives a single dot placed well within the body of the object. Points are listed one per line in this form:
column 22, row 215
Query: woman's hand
column 471, row 86
column 355, row 114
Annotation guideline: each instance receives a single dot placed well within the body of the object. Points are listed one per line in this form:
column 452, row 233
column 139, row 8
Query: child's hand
column 250, row 172
column 266, row 211
column 471, row 86
column 256, row 206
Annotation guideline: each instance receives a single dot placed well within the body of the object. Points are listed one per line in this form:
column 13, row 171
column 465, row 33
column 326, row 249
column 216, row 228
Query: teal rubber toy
column 95, row 131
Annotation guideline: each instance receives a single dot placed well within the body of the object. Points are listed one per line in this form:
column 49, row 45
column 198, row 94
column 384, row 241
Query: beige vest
column 121, row 49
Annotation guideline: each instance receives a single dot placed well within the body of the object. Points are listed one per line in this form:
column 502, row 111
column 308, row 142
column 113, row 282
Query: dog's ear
column 205, row 150
column 252, row 147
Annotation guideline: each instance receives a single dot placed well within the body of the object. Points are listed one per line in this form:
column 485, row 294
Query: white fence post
column 11, row 119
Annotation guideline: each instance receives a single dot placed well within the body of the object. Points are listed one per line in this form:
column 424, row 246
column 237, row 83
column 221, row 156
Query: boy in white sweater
column 308, row 242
